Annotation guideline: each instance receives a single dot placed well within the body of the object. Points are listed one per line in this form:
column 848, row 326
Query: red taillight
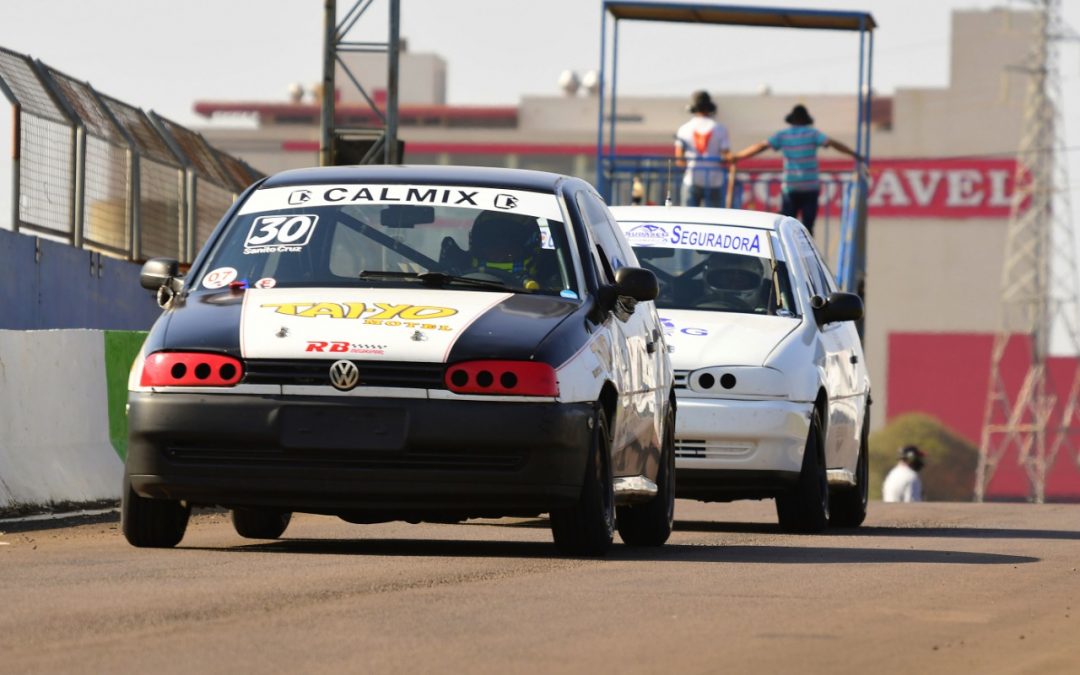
column 514, row 378
column 187, row 369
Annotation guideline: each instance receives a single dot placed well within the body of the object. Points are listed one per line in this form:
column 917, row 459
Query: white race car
column 417, row 343
column 772, row 388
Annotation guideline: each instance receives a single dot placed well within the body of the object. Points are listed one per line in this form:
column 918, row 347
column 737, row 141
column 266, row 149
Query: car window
column 600, row 228
column 827, row 276
column 346, row 235
column 711, row 267
column 818, row 281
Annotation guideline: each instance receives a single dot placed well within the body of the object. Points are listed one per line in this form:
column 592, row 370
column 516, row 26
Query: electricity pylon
column 1039, row 282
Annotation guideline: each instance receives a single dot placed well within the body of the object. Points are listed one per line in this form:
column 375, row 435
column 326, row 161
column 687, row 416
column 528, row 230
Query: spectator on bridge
column 799, row 144
column 902, row 484
column 637, row 191
column 702, row 147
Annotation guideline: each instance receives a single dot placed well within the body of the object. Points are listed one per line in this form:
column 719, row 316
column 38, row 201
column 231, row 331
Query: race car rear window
column 352, row 235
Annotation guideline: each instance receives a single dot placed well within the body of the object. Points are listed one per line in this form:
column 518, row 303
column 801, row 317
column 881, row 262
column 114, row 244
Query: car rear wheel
column 805, row 509
column 650, row 524
column 152, row 523
column 587, row 527
column 260, row 523
column 847, row 506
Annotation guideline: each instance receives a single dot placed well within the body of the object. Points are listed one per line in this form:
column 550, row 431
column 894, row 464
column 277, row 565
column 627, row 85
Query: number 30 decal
column 281, row 231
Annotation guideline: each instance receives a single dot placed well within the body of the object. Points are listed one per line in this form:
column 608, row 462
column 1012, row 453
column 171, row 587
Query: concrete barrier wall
column 62, row 424
column 45, row 284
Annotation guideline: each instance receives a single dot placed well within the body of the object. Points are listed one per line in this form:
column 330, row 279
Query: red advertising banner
column 900, row 188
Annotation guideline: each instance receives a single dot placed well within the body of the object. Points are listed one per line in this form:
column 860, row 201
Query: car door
column 837, row 353
column 656, row 366
column 849, row 403
column 633, row 428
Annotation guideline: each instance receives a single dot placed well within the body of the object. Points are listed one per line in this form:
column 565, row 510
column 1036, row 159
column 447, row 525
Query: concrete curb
column 62, row 424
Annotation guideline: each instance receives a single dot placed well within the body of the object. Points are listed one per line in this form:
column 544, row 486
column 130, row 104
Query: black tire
column 650, row 524
column 805, row 509
column 260, row 523
column 588, row 527
column 152, row 523
column 847, row 506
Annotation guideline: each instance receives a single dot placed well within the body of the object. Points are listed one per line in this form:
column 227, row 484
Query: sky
column 166, row 55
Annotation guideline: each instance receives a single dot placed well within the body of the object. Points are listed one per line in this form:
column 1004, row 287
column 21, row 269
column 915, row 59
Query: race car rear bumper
column 368, row 458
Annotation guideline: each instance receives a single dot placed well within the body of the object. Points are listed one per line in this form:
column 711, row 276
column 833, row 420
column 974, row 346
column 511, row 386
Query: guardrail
column 97, row 173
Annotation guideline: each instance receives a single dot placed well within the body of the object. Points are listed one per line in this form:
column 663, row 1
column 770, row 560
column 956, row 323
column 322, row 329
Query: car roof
column 475, row 176
column 698, row 214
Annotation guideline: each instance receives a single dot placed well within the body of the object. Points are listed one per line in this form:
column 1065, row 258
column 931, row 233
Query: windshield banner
column 536, row 204
column 698, row 237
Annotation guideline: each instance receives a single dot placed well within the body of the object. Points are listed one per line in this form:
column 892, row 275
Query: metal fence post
column 182, row 235
column 134, row 203
column 192, row 213
column 78, row 206
column 16, row 165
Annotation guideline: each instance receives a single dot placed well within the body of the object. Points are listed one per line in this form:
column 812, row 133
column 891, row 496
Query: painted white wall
column 54, row 420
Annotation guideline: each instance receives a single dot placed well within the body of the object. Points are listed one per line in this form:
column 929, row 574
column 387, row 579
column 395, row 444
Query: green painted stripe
column 121, row 348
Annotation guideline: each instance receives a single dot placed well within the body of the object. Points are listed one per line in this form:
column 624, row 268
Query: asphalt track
column 957, row 588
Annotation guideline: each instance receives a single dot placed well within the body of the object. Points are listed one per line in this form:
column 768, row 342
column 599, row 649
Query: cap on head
column 701, row 102
column 912, row 456
column 799, row 116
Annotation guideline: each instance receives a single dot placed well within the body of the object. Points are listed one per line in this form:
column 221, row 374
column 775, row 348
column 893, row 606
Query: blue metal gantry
column 851, row 264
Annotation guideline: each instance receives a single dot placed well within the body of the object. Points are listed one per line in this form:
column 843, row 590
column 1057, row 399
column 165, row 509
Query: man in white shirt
column 902, row 484
column 703, row 148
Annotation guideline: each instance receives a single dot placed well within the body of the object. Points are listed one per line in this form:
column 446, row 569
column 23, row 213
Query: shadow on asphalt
column 887, row 531
column 960, row 532
column 796, row 555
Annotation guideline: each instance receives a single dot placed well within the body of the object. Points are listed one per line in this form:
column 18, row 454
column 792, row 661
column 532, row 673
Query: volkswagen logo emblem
column 344, row 375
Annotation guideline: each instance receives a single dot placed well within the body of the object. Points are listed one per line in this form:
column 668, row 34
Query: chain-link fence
column 98, row 173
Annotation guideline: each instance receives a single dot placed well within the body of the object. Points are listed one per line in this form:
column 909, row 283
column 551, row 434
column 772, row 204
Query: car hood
column 393, row 324
column 700, row 338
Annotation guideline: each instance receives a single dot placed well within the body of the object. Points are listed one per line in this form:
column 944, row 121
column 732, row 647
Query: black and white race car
column 406, row 343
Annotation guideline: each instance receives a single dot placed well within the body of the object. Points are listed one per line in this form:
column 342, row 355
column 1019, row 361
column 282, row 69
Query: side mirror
column 636, row 283
column 158, row 272
column 839, row 307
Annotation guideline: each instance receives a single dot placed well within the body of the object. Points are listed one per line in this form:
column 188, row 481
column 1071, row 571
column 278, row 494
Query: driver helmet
column 736, row 276
column 508, row 242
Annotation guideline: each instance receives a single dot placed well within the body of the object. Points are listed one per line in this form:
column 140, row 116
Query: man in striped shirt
column 799, row 144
